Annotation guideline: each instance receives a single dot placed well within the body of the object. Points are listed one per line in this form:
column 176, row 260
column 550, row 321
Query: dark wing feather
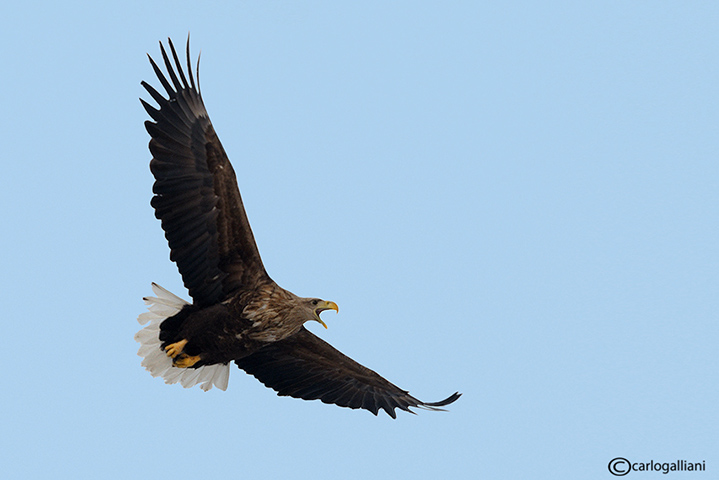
column 304, row 366
column 196, row 194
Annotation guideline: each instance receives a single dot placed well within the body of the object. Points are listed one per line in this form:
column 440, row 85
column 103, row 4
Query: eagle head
column 314, row 306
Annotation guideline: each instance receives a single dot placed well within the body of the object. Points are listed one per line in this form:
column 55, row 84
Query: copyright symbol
column 619, row 466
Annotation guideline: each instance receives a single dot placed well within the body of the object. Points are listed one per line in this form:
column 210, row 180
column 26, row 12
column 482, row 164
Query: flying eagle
column 238, row 313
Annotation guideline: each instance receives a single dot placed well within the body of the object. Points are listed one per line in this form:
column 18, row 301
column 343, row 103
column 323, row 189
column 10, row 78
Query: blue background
column 516, row 200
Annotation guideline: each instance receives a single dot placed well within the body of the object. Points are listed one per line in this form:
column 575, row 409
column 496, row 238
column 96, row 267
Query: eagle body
column 235, row 328
column 215, row 334
column 238, row 313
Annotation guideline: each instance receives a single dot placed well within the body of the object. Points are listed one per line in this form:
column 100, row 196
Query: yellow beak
column 325, row 306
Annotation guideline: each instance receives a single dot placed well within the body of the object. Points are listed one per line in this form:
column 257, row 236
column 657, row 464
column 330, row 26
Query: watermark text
column 621, row 466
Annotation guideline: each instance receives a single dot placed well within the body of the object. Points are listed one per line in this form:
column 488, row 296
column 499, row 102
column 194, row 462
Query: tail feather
column 162, row 310
column 164, row 294
column 156, row 361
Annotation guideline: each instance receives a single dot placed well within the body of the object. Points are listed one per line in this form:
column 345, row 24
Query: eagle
column 238, row 313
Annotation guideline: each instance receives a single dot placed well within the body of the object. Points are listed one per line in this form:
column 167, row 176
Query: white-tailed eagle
column 238, row 313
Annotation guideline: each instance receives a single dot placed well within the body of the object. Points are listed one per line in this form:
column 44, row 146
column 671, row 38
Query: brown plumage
column 238, row 313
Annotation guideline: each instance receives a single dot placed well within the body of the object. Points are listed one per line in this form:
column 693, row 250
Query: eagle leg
column 174, row 349
column 185, row 361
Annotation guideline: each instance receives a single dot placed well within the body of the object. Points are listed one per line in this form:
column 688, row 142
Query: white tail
column 157, row 362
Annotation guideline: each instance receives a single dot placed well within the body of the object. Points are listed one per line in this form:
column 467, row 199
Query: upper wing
column 304, row 366
column 196, row 194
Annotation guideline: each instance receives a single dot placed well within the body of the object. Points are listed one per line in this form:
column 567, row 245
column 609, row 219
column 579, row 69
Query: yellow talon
column 174, row 349
column 185, row 361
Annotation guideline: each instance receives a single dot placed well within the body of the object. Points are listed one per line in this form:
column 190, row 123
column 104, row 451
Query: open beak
column 325, row 306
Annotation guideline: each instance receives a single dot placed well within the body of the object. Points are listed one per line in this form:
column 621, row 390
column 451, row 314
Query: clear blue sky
column 517, row 201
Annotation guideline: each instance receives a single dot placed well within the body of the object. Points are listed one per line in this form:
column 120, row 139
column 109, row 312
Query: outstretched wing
column 304, row 366
column 196, row 193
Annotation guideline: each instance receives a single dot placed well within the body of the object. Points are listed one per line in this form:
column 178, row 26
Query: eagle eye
column 314, row 302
